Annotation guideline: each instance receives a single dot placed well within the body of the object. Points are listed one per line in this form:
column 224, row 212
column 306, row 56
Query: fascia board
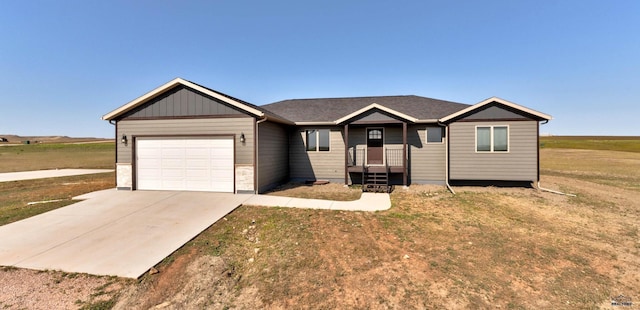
column 315, row 123
column 427, row 121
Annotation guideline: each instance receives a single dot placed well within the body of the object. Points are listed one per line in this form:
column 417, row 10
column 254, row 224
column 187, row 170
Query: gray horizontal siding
column 273, row 155
column 182, row 101
column 188, row 127
column 519, row 164
column 426, row 160
column 316, row 165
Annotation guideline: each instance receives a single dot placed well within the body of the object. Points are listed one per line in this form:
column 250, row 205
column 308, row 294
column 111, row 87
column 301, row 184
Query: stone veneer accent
column 124, row 175
column 244, row 178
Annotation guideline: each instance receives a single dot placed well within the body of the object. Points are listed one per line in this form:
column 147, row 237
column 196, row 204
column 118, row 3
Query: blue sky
column 64, row 64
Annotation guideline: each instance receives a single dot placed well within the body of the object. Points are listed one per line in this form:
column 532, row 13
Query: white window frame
column 491, row 141
column 317, row 133
column 442, row 133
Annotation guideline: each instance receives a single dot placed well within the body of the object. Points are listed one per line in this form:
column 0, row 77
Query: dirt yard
column 482, row 248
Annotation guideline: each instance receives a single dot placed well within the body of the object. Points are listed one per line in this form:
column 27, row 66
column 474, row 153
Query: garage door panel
column 150, row 143
column 203, row 143
column 202, row 163
column 172, row 143
column 173, row 173
column 170, row 163
column 198, row 153
column 173, row 153
column 199, row 164
column 172, row 185
column 148, row 163
column 198, row 173
column 153, row 173
column 221, row 165
column 149, row 184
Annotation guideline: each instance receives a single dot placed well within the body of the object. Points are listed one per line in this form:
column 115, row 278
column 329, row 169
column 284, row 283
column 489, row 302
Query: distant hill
column 15, row 139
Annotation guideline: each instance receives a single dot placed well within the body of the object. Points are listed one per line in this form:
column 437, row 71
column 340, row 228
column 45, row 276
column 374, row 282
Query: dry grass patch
column 331, row 191
column 604, row 167
column 15, row 196
column 483, row 248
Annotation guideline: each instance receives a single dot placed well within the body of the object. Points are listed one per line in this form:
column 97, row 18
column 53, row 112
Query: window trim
column 317, row 134
column 442, row 133
column 491, row 139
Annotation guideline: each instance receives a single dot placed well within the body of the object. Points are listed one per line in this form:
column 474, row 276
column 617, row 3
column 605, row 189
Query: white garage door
column 186, row 164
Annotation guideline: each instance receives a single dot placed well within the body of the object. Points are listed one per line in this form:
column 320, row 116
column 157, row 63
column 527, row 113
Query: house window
column 434, row 134
column 318, row 140
column 492, row 139
column 375, row 134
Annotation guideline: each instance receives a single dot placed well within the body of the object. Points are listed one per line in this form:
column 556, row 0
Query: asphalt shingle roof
column 259, row 108
column 331, row 109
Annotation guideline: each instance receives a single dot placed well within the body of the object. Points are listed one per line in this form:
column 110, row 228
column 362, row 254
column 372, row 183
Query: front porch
column 376, row 155
column 378, row 177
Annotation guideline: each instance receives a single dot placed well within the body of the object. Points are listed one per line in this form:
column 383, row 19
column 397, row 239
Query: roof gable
column 238, row 104
column 484, row 105
column 373, row 107
column 181, row 101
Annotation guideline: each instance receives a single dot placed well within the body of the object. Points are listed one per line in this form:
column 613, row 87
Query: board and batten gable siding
column 312, row 165
column 273, row 155
column 520, row 163
column 189, row 127
column 181, row 101
column 495, row 113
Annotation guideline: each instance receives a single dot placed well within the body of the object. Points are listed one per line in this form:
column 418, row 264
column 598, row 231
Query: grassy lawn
column 15, row 196
column 508, row 248
column 54, row 155
column 511, row 248
column 622, row 144
column 603, row 160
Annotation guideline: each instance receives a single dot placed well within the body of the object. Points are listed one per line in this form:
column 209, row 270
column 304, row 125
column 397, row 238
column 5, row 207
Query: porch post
column 404, row 153
column 346, row 154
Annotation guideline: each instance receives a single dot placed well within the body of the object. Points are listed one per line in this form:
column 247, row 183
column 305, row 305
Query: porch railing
column 393, row 157
column 356, row 157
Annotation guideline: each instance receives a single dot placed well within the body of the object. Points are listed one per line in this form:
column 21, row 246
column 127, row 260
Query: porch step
column 375, row 182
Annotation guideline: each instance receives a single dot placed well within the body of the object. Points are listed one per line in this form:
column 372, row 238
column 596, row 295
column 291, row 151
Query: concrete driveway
column 121, row 233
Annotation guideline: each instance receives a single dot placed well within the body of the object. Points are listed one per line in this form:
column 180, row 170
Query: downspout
column 257, row 148
column 552, row 191
column 540, row 187
column 446, row 161
column 115, row 159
